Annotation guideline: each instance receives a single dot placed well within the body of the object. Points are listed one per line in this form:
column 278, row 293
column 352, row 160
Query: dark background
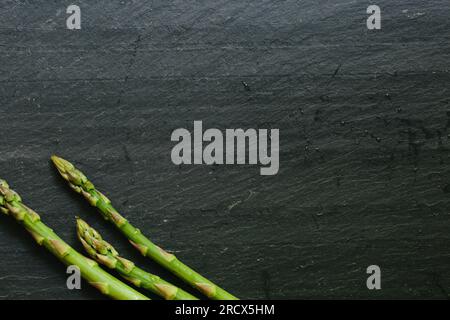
column 364, row 118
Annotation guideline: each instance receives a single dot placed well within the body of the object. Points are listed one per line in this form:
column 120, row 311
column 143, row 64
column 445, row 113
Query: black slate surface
column 364, row 119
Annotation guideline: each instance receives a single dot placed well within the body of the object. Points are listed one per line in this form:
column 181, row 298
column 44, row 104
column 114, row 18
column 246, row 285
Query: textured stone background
column 364, row 119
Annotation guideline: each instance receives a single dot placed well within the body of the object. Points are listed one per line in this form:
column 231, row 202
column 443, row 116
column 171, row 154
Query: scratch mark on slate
column 130, row 65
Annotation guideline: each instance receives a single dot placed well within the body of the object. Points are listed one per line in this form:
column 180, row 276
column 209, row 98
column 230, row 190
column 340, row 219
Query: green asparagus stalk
column 104, row 253
column 79, row 183
column 11, row 204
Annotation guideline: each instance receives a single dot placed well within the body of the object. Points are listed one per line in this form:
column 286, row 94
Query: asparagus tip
column 61, row 164
column 81, row 224
column 90, row 237
column 3, row 183
column 68, row 171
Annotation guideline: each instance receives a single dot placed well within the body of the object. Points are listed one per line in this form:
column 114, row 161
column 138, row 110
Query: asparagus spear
column 79, row 183
column 11, row 204
column 104, row 253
